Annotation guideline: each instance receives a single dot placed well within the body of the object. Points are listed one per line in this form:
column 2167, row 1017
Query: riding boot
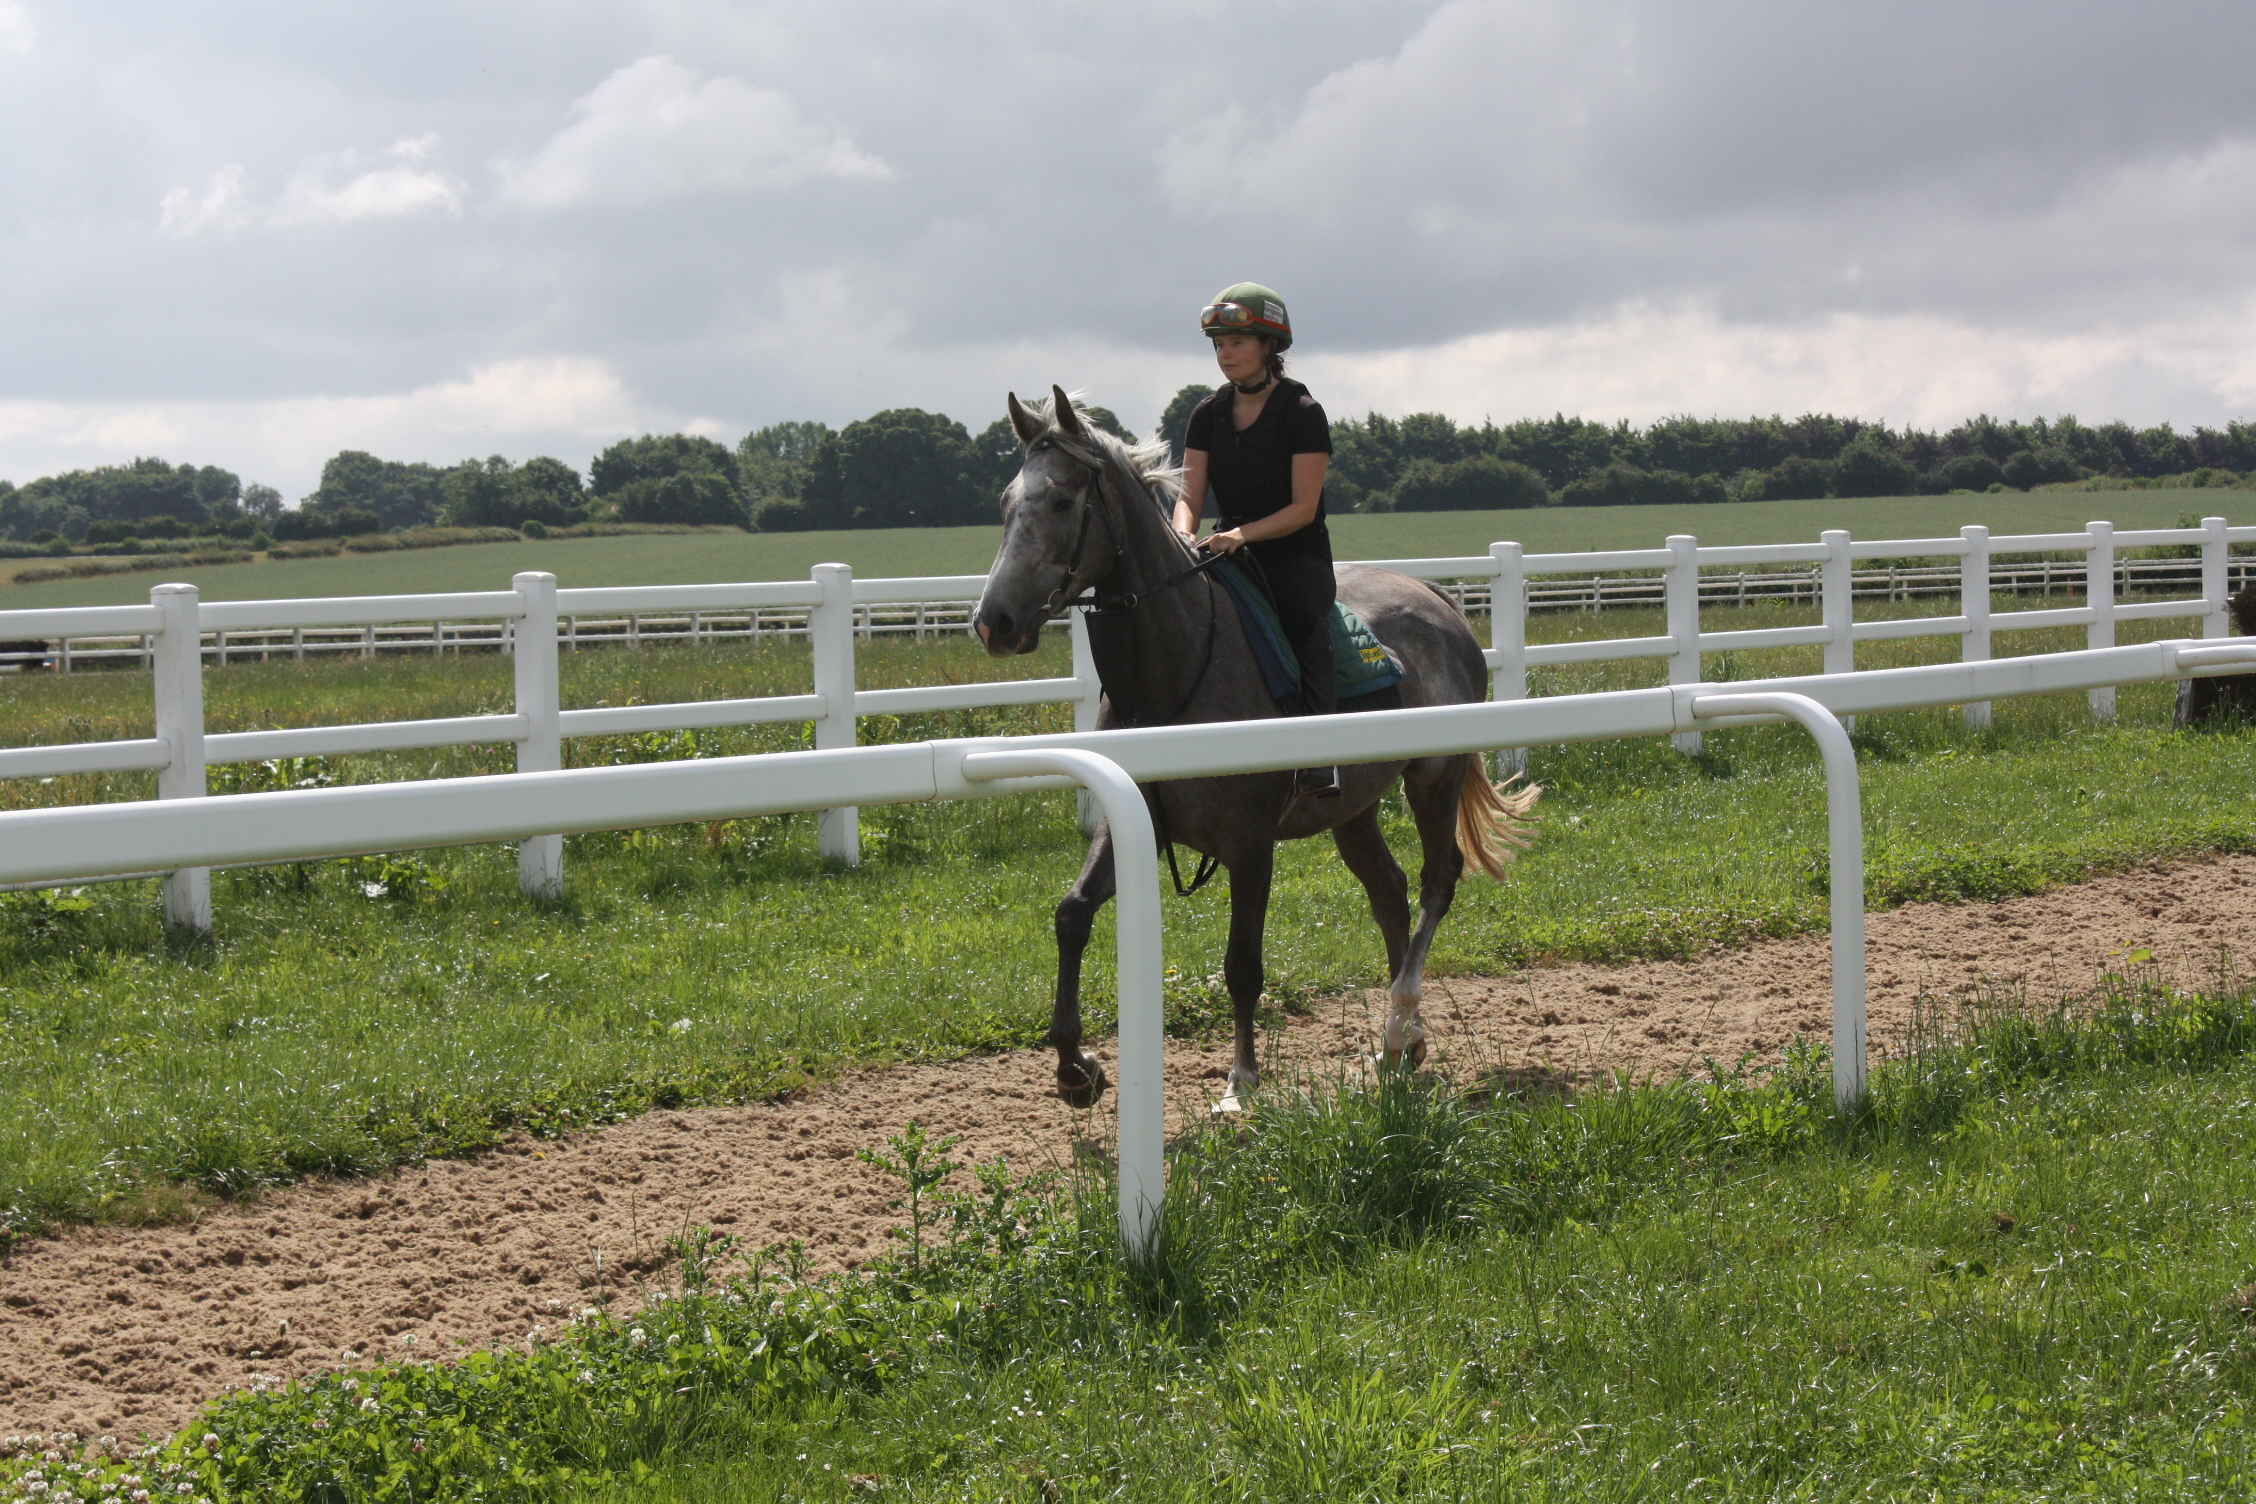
column 1318, row 696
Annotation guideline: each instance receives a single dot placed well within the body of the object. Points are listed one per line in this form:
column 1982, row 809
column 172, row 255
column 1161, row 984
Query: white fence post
column 1507, row 636
column 1837, row 606
column 540, row 859
column 2099, row 594
column 2215, row 587
column 1974, row 605
column 1681, row 602
column 1084, row 709
column 179, row 671
column 830, row 631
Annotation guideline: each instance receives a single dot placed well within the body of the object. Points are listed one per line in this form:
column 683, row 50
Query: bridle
column 1064, row 598
column 1123, row 603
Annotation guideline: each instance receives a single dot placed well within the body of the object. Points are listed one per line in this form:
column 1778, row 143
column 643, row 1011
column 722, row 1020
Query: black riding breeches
column 1304, row 589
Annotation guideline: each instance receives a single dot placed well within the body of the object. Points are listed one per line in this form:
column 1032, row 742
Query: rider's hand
column 1228, row 541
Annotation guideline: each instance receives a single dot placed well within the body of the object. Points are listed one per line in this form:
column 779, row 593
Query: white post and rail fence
column 188, row 835
column 178, row 634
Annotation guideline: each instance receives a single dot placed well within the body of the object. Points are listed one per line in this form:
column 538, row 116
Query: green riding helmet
column 1247, row 308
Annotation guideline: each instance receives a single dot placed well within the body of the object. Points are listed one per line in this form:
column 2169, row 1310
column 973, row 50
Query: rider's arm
column 1192, row 502
column 1308, row 472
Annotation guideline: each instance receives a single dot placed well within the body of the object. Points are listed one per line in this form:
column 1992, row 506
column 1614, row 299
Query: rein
column 1124, row 603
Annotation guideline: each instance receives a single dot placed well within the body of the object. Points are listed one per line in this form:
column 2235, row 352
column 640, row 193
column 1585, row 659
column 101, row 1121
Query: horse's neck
column 1175, row 627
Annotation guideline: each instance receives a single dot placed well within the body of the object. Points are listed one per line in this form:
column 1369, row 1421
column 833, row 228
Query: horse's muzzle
column 1006, row 636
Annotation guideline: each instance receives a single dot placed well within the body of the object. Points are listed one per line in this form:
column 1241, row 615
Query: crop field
column 348, row 1015
column 662, row 559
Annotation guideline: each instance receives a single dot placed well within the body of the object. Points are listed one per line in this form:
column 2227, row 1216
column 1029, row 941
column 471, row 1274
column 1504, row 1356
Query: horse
column 1089, row 512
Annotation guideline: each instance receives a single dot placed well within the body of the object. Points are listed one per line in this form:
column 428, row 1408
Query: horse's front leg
column 1250, row 877
column 1080, row 1079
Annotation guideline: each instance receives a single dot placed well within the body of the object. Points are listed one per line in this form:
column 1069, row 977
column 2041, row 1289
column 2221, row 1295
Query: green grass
column 325, row 1029
column 688, row 559
column 2022, row 1274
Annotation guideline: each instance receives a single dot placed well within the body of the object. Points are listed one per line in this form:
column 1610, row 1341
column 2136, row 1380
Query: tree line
column 909, row 468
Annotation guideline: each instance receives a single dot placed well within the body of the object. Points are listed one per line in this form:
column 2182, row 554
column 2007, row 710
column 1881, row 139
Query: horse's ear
column 1068, row 421
column 1027, row 426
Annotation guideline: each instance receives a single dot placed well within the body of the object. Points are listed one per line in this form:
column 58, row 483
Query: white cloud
column 656, row 129
column 17, row 29
column 222, row 204
column 404, row 186
column 569, row 406
column 1643, row 362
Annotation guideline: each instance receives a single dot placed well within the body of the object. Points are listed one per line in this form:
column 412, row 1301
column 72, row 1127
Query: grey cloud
column 751, row 212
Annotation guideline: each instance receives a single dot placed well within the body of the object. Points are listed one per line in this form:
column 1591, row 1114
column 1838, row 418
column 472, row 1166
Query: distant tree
column 899, row 468
column 700, row 497
column 781, row 514
column 670, row 477
column 1868, row 468
column 298, row 524
column 262, row 503
column 2043, row 466
column 495, row 493
column 773, row 461
column 400, row 493
column 1175, row 420
column 1970, row 472
column 1476, row 483
column 995, row 457
column 1625, row 485
column 1797, row 479
column 655, row 456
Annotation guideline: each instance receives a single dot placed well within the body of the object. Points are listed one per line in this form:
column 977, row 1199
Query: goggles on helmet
column 1225, row 316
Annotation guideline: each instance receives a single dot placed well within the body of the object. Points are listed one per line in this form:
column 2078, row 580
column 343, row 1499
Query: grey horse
column 1087, row 511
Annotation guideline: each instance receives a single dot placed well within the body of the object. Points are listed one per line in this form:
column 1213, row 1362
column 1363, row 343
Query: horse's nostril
column 1003, row 625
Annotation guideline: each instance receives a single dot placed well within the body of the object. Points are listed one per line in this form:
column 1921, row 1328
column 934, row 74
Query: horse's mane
column 1139, row 468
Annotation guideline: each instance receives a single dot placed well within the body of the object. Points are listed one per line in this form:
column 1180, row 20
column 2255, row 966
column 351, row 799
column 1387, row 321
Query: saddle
column 1361, row 664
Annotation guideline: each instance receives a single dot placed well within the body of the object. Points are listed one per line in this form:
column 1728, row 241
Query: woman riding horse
column 1264, row 445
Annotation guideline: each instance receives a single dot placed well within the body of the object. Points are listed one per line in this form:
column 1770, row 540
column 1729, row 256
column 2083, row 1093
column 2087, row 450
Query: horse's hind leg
column 1080, row 1079
column 1433, row 786
column 1362, row 846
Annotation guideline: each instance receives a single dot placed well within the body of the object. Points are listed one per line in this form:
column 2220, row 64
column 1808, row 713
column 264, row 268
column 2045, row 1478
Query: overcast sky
column 252, row 234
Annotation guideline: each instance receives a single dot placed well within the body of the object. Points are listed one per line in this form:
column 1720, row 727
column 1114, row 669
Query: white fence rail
column 922, row 620
column 178, row 634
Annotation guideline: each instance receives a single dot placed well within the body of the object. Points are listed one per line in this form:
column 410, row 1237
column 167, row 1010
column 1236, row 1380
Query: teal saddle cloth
column 1361, row 664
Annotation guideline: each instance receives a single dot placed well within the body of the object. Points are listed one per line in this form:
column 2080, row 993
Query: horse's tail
column 1492, row 819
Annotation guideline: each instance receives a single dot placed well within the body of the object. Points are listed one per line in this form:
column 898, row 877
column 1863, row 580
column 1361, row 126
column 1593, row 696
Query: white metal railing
column 194, row 834
column 176, row 632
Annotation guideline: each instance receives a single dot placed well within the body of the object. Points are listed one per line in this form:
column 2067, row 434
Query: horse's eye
column 1062, row 502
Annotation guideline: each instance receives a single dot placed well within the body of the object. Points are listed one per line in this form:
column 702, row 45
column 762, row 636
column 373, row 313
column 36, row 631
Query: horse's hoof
column 1228, row 1107
column 1080, row 1086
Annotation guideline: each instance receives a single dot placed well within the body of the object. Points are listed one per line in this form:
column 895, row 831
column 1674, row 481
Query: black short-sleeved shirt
column 1251, row 469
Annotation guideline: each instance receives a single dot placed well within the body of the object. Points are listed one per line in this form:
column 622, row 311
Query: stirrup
column 1316, row 783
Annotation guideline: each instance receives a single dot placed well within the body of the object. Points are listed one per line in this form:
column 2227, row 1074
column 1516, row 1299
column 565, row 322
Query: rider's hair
column 1275, row 356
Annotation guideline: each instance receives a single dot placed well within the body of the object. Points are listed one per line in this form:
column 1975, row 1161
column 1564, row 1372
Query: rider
column 1263, row 445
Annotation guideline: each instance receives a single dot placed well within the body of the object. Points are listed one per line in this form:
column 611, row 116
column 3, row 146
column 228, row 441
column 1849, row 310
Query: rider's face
column 1241, row 356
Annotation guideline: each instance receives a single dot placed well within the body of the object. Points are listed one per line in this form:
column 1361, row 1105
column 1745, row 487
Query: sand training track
column 115, row 1330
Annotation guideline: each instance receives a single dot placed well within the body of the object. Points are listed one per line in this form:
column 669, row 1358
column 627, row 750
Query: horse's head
column 1055, row 545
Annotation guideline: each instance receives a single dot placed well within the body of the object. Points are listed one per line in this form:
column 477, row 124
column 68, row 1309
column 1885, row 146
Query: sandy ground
column 115, row 1330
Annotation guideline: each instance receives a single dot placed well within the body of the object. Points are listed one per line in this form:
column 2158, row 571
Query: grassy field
column 348, row 1015
column 695, row 558
column 2021, row 1275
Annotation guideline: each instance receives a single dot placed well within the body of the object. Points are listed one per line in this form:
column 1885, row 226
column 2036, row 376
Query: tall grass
column 347, row 1015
